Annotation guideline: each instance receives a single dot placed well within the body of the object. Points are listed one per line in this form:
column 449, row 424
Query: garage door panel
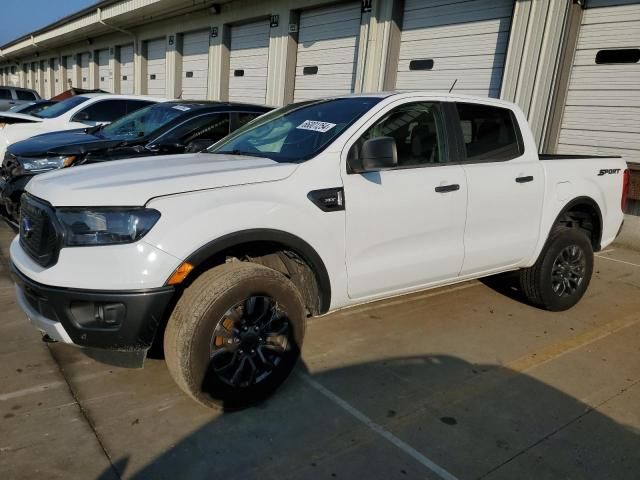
column 467, row 42
column 602, row 109
column 474, row 11
column 195, row 64
column 488, row 44
column 249, row 53
column 327, row 39
column 458, row 30
column 610, row 119
column 609, row 35
column 104, row 72
column 126, row 69
column 156, row 67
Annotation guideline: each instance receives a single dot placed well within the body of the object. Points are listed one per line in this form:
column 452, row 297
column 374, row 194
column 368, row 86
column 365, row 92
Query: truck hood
column 134, row 182
column 69, row 142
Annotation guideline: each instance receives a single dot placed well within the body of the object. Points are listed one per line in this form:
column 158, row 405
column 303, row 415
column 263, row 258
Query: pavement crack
column 586, row 412
column 85, row 416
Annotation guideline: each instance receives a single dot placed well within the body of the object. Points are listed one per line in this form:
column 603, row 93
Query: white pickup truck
column 313, row 207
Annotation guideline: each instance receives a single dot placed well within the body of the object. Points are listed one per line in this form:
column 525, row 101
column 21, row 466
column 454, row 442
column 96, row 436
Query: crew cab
column 160, row 128
column 313, row 207
column 79, row 111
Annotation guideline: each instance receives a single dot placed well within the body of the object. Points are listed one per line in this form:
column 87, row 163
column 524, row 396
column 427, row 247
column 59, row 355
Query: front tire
column 561, row 275
column 235, row 335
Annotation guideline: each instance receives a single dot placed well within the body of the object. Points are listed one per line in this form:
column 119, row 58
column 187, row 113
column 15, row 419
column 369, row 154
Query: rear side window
column 105, row 111
column 25, row 95
column 5, row 94
column 490, row 134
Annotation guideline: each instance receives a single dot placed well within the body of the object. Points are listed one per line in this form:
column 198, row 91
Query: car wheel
column 561, row 275
column 235, row 335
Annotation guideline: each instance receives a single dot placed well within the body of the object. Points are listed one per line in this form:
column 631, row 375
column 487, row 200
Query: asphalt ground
column 462, row 382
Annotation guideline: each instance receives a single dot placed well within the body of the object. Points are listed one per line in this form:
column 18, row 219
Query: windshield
column 144, row 121
column 295, row 132
column 61, row 107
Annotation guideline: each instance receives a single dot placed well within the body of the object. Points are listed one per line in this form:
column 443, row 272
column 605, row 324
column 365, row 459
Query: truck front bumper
column 122, row 324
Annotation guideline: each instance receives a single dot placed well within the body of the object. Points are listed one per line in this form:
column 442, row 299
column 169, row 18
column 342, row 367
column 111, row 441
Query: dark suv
column 160, row 129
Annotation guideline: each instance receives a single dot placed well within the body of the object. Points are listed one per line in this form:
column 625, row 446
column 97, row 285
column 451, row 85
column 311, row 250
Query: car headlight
column 105, row 226
column 48, row 163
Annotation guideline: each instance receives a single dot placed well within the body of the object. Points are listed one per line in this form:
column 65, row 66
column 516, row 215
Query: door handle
column 447, row 188
column 528, row 178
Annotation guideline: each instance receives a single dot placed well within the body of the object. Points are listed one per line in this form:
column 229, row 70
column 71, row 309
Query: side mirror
column 379, row 154
column 81, row 117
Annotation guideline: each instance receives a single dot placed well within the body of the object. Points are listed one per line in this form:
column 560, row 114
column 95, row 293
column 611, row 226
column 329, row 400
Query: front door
column 404, row 226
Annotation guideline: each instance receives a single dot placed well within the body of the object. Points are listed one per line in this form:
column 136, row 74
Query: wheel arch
column 260, row 245
column 582, row 212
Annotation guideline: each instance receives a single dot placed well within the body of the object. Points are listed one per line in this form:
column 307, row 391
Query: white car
column 79, row 111
column 310, row 208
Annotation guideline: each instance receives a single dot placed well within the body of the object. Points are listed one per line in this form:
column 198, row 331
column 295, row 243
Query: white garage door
column 327, row 51
column 602, row 111
column 126, row 70
column 248, row 60
column 104, row 72
column 465, row 41
column 156, row 67
column 195, row 65
column 57, row 86
column 84, row 70
column 68, row 79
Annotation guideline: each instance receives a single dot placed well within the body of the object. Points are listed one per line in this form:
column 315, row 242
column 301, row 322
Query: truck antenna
column 453, row 85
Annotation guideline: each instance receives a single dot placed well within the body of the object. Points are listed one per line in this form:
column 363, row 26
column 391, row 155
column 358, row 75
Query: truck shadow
column 471, row 419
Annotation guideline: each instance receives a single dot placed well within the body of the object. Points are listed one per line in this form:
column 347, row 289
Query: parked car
column 11, row 96
column 75, row 112
column 31, row 108
column 171, row 127
column 310, row 208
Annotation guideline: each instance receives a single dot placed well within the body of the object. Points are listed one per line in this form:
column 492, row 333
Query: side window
column 242, row 118
column 5, row 94
column 205, row 128
column 104, row 111
column 418, row 130
column 133, row 105
column 489, row 133
column 25, row 95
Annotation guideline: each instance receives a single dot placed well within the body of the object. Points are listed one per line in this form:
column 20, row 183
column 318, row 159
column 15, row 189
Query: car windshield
column 144, row 121
column 296, row 132
column 61, row 107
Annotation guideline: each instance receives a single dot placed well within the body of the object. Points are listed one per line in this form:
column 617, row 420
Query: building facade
column 573, row 66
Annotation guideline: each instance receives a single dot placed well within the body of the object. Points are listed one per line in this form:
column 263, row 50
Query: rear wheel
column 235, row 335
column 561, row 275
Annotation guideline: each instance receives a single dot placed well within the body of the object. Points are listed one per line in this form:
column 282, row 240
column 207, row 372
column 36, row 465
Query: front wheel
column 561, row 275
column 235, row 335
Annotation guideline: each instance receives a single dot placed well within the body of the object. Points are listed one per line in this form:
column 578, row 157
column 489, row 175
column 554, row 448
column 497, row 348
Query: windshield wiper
column 241, row 152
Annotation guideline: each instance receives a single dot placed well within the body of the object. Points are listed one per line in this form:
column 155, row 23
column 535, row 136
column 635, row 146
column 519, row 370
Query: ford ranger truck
column 221, row 256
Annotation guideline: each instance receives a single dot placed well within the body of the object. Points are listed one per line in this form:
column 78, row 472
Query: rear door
column 505, row 189
column 404, row 227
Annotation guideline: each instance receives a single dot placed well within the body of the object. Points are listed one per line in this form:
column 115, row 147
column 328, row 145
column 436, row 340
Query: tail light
column 625, row 189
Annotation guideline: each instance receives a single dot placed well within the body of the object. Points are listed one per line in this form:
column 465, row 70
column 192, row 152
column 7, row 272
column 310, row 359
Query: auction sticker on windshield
column 316, row 126
column 181, row 107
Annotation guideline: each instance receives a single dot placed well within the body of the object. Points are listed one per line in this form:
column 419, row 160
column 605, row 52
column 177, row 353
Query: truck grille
column 38, row 234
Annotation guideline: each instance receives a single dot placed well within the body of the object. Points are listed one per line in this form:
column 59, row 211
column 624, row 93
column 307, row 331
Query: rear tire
column 235, row 335
column 561, row 275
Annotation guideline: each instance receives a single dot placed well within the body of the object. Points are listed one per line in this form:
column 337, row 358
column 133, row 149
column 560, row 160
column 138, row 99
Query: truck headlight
column 105, row 226
column 48, row 163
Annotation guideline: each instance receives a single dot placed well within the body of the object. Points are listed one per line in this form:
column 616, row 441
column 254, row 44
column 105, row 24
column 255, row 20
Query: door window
column 104, row 111
column 418, row 131
column 25, row 95
column 489, row 133
column 5, row 94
